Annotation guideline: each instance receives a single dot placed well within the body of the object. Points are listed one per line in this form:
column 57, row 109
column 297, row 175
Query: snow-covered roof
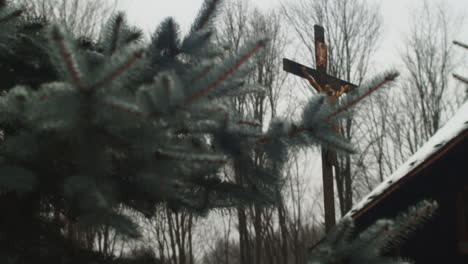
column 452, row 129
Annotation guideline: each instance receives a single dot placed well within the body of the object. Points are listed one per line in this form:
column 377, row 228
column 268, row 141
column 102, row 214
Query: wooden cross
column 334, row 88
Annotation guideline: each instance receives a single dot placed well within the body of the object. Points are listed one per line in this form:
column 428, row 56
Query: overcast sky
column 147, row 14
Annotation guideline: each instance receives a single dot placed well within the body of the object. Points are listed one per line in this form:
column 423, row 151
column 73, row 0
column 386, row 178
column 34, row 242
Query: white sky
column 147, row 14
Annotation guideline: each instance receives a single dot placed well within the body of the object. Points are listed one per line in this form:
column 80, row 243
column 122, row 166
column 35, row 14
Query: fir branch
column 196, row 42
column 460, row 78
column 264, row 140
column 216, row 110
column 215, row 159
column 11, row 16
column 206, row 14
column 165, row 40
column 243, row 92
column 342, row 232
column 119, row 20
column 295, row 131
column 71, row 63
column 137, row 55
column 334, row 145
column 239, row 122
column 390, row 232
column 248, row 123
column 134, row 36
column 124, row 109
column 259, row 44
column 166, row 83
column 298, row 130
column 388, row 78
column 418, row 216
column 385, row 227
column 463, row 45
column 151, row 99
column 203, row 73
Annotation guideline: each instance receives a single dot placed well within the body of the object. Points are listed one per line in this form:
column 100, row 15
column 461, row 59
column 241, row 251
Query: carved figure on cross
column 327, row 89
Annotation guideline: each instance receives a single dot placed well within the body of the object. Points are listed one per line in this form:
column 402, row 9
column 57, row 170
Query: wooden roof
column 453, row 133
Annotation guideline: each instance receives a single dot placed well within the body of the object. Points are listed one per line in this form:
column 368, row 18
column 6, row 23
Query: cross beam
column 334, row 87
column 298, row 70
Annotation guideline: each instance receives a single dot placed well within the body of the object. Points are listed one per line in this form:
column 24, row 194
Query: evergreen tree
column 90, row 128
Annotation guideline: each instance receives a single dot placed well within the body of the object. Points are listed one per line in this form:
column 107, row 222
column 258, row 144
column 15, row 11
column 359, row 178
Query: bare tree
column 462, row 79
column 82, row 17
column 257, row 226
column 353, row 30
column 397, row 122
column 169, row 235
column 428, row 96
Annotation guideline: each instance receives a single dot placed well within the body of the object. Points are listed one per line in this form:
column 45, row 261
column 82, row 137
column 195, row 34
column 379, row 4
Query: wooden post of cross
column 333, row 87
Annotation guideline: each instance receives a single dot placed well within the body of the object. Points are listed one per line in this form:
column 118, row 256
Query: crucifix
column 334, row 88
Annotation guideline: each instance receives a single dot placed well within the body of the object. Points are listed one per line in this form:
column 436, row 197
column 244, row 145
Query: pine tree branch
column 342, row 232
column 260, row 44
column 388, row 78
column 184, row 157
column 383, row 230
column 460, row 78
column 165, row 40
column 333, row 145
column 297, row 131
column 116, row 32
column 239, row 122
column 418, row 216
column 206, row 14
column 124, row 109
column 248, row 123
column 137, row 55
column 390, row 232
column 59, row 40
column 11, row 16
column 203, row 73
column 463, row 45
